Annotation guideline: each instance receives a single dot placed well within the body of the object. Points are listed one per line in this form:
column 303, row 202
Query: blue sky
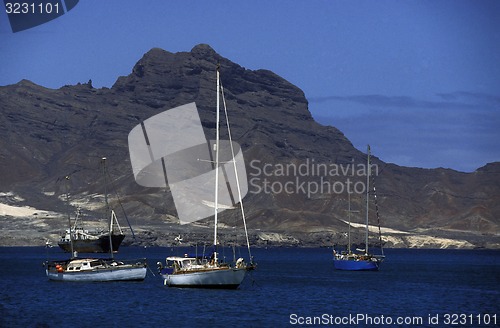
column 417, row 80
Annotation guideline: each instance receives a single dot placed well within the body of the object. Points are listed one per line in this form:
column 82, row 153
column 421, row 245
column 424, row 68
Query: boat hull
column 228, row 278
column 356, row 265
column 101, row 275
column 96, row 269
column 100, row 245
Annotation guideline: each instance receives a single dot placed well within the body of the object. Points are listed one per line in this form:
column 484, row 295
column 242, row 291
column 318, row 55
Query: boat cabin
column 178, row 263
column 79, row 234
column 83, row 265
column 185, row 263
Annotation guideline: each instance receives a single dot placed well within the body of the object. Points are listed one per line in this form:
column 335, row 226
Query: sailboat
column 95, row 269
column 210, row 271
column 363, row 260
column 85, row 241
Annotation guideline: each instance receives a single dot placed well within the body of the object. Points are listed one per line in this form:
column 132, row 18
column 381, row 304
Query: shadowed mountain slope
column 298, row 169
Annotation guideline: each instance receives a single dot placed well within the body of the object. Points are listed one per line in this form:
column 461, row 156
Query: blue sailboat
column 362, row 260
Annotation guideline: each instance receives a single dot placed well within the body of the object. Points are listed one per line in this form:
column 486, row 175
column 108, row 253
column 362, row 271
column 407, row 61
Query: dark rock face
column 48, row 134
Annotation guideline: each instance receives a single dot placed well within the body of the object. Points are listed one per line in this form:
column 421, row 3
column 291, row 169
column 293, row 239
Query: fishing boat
column 95, row 269
column 210, row 271
column 97, row 241
column 361, row 260
column 86, row 241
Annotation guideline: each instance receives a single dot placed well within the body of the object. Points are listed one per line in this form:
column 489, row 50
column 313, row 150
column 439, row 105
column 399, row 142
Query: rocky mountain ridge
column 50, row 133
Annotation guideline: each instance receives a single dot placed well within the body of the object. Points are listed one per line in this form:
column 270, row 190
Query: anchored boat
column 211, row 271
column 78, row 238
column 362, row 260
column 86, row 241
column 96, row 269
column 204, row 273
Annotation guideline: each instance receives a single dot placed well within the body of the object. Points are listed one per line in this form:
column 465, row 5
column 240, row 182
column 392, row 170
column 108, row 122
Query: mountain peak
column 493, row 167
column 204, row 50
column 156, row 52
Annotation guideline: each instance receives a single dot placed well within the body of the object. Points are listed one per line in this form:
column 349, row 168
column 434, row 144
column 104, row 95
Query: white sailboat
column 96, row 269
column 210, row 271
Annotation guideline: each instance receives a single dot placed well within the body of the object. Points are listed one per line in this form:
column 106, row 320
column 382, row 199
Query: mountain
column 298, row 169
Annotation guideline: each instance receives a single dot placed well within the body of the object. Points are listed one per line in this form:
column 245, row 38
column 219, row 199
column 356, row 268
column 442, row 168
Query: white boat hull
column 114, row 274
column 221, row 278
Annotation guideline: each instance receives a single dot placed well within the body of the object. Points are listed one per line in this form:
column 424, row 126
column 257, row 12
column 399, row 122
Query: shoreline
column 156, row 238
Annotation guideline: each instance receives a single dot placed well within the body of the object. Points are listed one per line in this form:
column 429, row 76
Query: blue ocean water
column 291, row 286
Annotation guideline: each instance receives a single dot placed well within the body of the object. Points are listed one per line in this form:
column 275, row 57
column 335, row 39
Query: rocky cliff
column 299, row 171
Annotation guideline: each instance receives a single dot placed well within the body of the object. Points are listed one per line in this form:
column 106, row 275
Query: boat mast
column 368, row 173
column 216, row 149
column 349, row 212
column 103, row 161
column 69, row 218
column 349, row 227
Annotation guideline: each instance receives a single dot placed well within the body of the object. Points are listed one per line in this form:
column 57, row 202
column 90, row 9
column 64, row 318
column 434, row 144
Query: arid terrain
column 49, row 134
